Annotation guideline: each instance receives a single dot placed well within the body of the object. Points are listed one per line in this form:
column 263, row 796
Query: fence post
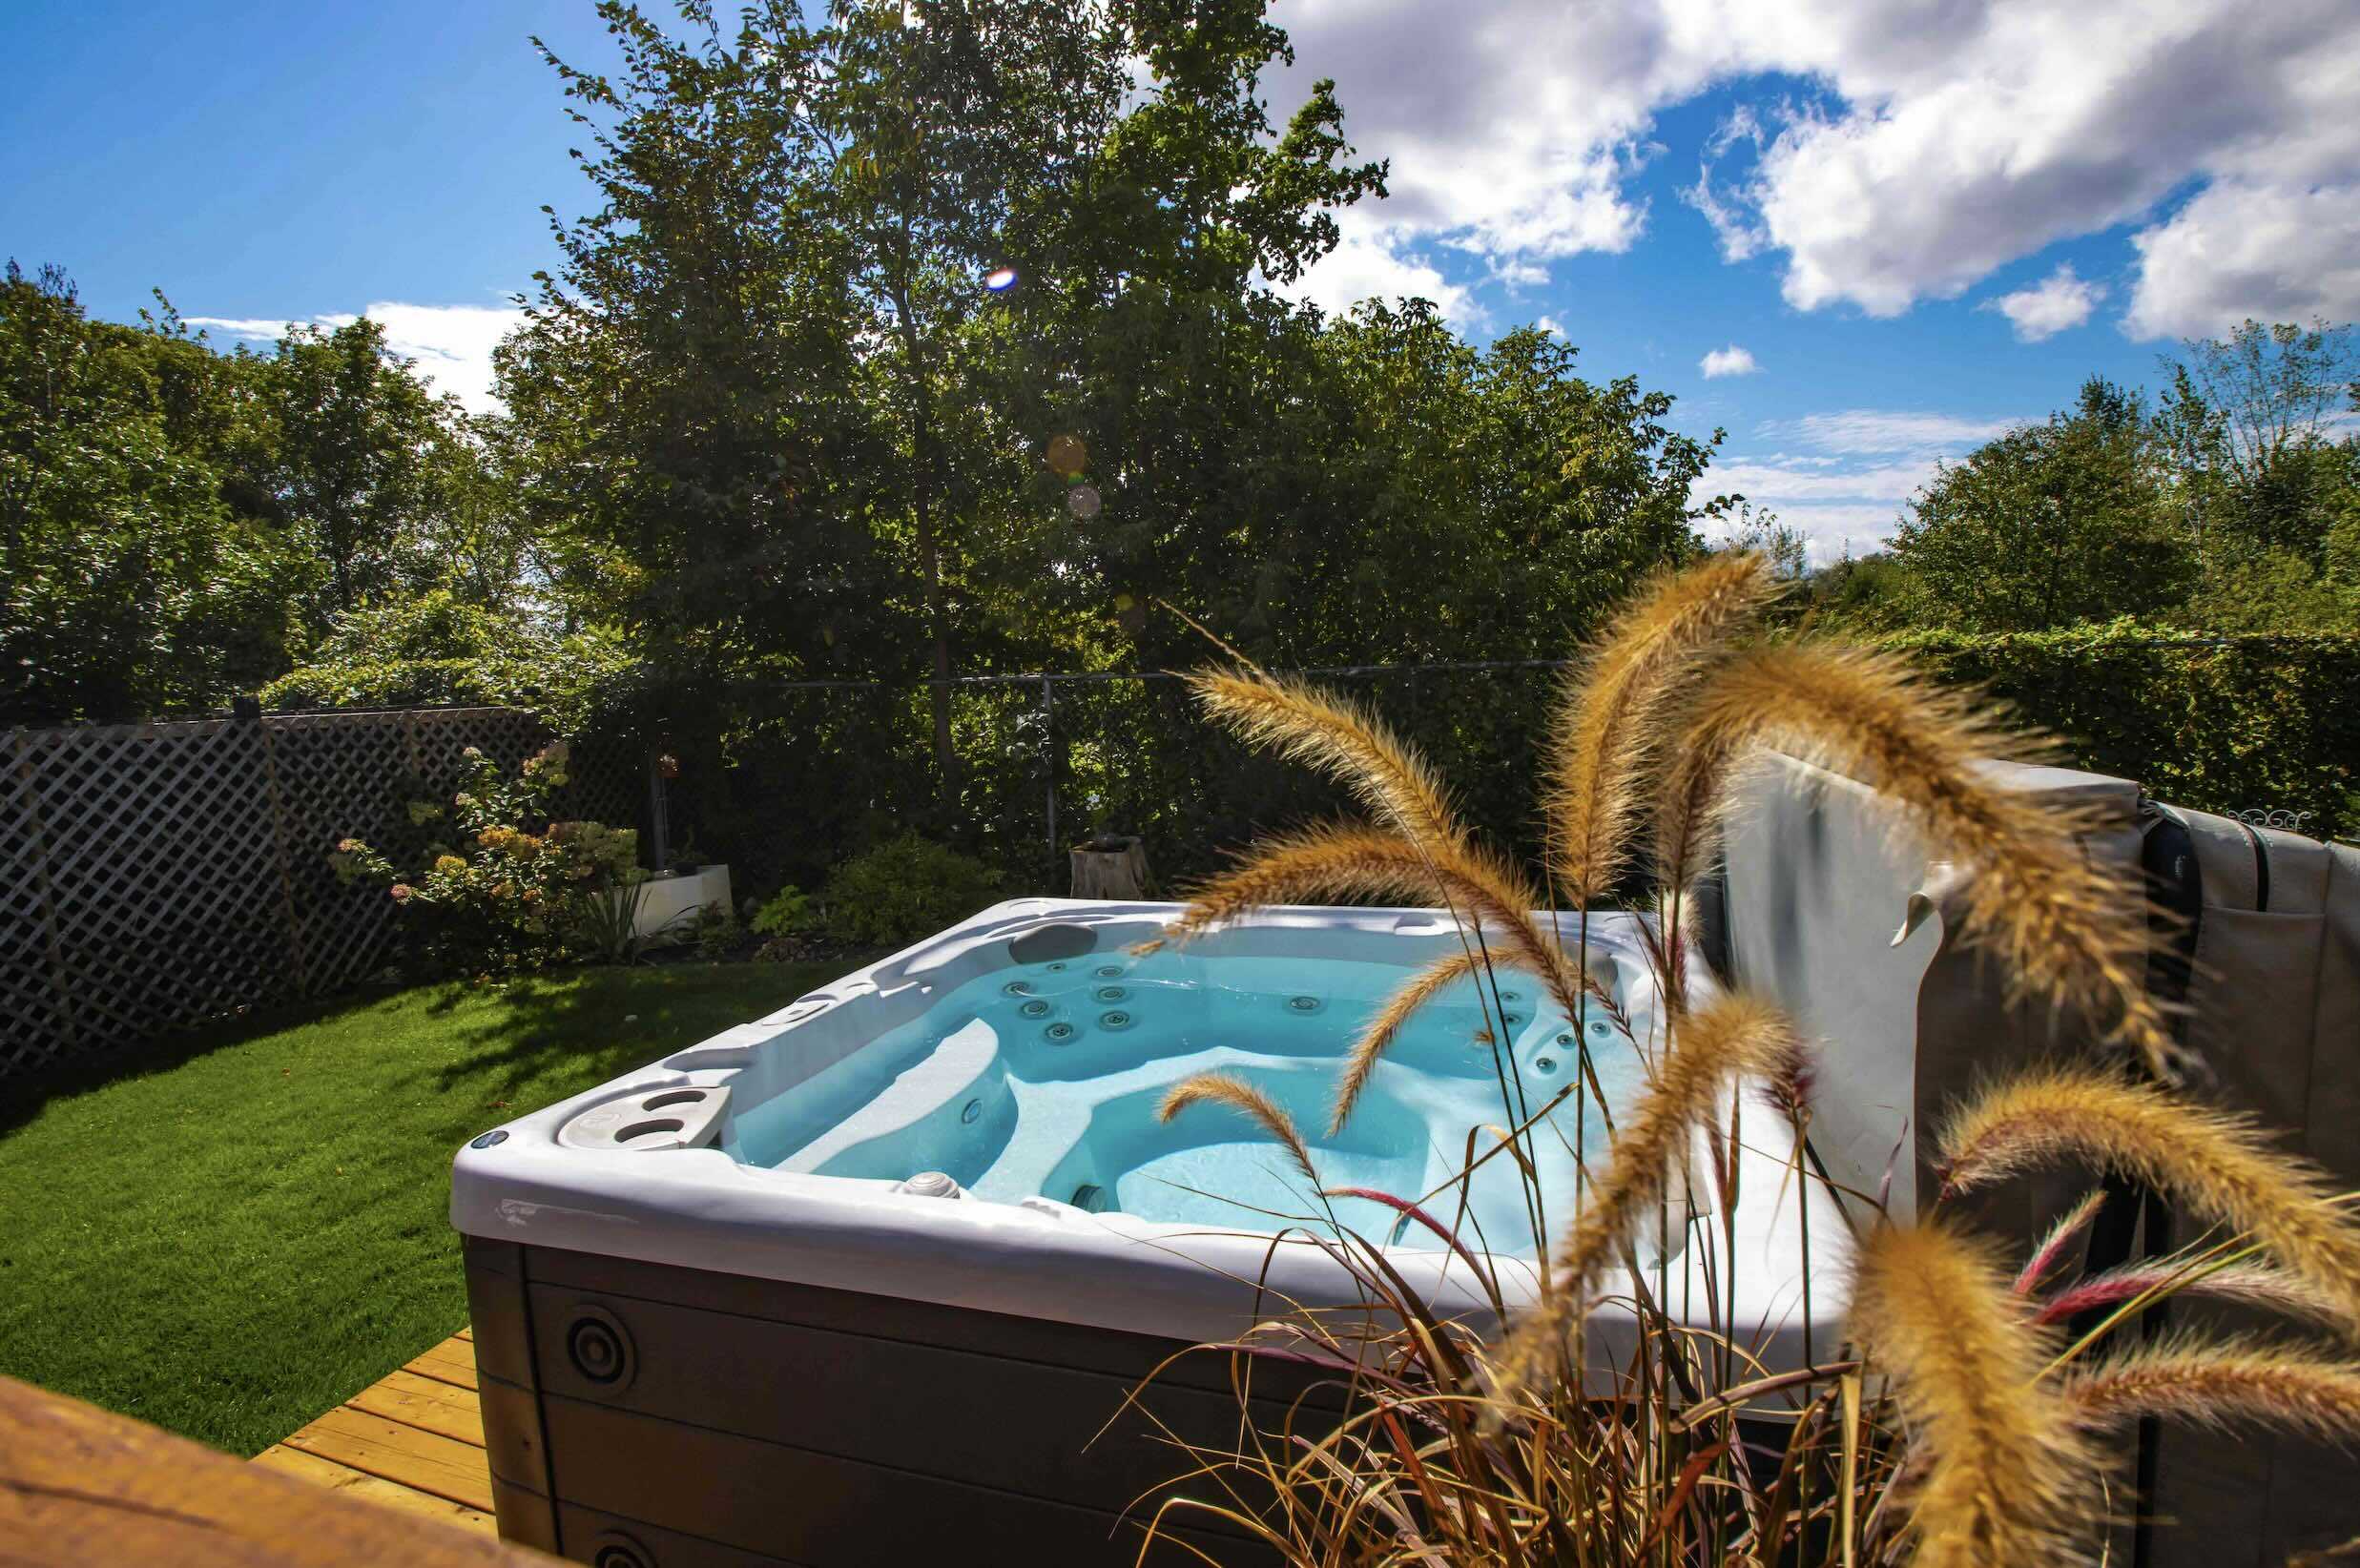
column 1048, row 757
column 659, row 818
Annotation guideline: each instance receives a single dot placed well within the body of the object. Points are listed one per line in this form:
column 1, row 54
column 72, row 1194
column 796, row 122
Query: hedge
column 571, row 681
column 788, row 783
column 2260, row 722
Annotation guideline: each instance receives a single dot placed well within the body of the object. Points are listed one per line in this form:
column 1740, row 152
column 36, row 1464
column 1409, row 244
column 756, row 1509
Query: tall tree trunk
column 929, row 545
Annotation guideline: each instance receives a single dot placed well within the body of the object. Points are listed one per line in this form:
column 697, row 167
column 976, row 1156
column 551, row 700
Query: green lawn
column 253, row 1228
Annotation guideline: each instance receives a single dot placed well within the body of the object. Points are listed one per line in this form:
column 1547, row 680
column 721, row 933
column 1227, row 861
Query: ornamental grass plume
column 1729, row 1037
column 1954, row 1428
column 2063, row 926
column 2221, row 1167
column 1247, row 1101
column 2225, row 1383
column 2005, row 1470
column 1612, row 720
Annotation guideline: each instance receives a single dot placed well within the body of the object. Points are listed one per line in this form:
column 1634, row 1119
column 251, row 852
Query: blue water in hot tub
column 1043, row 1079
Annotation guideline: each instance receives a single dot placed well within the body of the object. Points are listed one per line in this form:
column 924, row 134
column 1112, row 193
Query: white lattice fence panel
column 155, row 875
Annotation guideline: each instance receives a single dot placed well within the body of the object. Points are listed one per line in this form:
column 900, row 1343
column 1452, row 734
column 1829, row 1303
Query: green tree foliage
column 2261, row 482
column 440, row 647
column 2229, row 509
column 142, row 564
column 175, row 522
column 2050, row 524
column 356, row 467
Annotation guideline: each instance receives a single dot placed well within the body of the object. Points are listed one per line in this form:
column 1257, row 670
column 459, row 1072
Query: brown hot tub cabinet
column 643, row 1416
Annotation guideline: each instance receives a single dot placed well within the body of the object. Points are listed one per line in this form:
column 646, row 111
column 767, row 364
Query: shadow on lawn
column 21, row 1102
column 560, row 1034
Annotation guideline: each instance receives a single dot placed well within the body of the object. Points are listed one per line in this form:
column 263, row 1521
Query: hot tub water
column 1041, row 1080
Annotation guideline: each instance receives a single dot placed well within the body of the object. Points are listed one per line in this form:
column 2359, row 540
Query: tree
column 141, row 569
column 771, row 372
column 384, row 485
column 692, row 398
column 2256, row 475
column 2048, row 525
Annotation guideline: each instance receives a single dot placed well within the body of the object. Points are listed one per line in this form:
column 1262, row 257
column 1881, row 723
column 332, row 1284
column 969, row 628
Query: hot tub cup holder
column 664, row 1116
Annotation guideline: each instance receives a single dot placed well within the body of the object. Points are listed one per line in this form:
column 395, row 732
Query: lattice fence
column 154, row 875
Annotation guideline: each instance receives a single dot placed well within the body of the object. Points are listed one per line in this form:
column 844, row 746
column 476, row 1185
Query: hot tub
column 861, row 1281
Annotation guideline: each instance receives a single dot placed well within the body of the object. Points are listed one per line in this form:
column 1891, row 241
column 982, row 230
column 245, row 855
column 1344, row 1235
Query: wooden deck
column 413, row 1441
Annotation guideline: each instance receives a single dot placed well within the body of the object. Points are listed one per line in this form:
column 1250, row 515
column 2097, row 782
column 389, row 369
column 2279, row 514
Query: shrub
column 789, row 911
column 2218, row 724
column 904, row 889
column 435, row 651
column 499, row 897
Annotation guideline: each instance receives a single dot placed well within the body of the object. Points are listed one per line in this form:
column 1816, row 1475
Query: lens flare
column 1066, row 456
column 1000, row 280
column 1082, row 501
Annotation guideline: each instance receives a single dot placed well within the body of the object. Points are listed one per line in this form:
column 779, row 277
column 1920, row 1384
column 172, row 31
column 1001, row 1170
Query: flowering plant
column 496, row 895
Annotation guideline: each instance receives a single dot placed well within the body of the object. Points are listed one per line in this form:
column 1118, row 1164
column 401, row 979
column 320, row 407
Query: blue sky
column 1916, row 222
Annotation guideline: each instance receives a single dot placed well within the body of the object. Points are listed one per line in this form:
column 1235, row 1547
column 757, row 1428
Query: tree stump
column 1110, row 868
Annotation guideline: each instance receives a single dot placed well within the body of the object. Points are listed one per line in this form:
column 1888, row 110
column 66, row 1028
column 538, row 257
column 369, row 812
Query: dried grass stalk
column 2060, row 925
column 2218, row 1165
column 2004, row 1468
column 2271, row 1290
column 2222, row 1384
column 1247, row 1101
column 1611, row 722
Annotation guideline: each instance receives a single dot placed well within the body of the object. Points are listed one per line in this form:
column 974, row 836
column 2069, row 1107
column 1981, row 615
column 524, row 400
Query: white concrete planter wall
column 667, row 901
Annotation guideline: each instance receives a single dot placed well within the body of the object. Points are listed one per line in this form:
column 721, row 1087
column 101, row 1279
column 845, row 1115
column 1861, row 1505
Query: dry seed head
column 1728, row 1037
column 1377, row 1035
column 1326, row 864
column 1244, row 1097
column 2004, row 1470
column 2215, row 1164
column 1610, row 724
column 2060, row 925
column 1341, row 739
column 2222, row 1384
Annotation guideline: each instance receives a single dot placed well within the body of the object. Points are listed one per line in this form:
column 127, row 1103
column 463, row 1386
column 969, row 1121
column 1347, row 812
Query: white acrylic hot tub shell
column 702, row 1208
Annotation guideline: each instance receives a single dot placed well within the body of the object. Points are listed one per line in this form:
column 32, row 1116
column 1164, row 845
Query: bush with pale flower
column 503, row 897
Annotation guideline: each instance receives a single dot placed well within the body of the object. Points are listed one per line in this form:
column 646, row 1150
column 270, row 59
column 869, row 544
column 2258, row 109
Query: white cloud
column 1858, row 472
column 1551, row 324
column 1375, row 261
column 2057, row 302
column 1933, row 141
column 1759, row 479
column 2241, row 250
column 1854, row 430
column 1731, row 361
column 451, row 344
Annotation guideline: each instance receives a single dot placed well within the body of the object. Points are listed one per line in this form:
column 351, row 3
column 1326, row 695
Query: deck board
column 412, row 1440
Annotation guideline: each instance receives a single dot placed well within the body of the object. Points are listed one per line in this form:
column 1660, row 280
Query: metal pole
column 1048, row 758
